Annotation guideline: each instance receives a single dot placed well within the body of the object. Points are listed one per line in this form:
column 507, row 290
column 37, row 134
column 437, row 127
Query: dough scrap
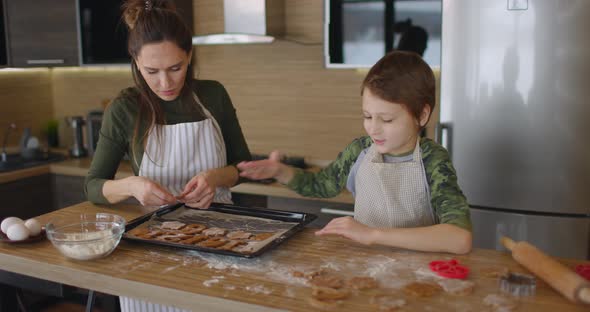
column 387, row 302
column 193, row 228
column 326, row 293
column 324, row 305
column 457, row 287
column 362, row 282
column 422, row 290
column 231, row 245
column 500, row 303
column 327, row 280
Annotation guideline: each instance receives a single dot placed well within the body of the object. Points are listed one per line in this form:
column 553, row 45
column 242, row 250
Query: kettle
column 77, row 124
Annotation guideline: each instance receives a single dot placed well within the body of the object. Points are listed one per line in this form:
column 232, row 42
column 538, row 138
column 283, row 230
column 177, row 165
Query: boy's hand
column 262, row 169
column 349, row 228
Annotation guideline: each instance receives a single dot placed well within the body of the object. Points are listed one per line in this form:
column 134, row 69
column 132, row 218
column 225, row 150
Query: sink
column 16, row 162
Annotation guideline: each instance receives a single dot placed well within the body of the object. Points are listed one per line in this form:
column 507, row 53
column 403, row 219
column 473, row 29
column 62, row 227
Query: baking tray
column 231, row 217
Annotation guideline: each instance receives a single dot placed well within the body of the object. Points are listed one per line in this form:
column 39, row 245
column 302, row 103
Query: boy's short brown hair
column 404, row 78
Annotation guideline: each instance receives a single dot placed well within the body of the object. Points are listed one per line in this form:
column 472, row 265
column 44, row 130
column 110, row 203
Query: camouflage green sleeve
column 447, row 199
column 329, row 181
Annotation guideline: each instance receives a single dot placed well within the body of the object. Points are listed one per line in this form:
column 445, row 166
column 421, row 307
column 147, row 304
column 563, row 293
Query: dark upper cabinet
column 3, row 48
column 104, row 35
column 42, row 33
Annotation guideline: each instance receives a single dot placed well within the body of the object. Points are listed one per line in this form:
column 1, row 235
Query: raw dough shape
column 193, row 240
column 231, row 245
column 238, row 235
column 326, row 293
column 457, row 287
column 387, row 302
column 215, row 231
column 193, row 229
column 422, row 290
column 245, row 248
column 324, row 305
column 500, row 303
column 172, row 225
column 327, row 280
column 362, row 282
column 213, row 242
column 262, row 236
column 139, row 232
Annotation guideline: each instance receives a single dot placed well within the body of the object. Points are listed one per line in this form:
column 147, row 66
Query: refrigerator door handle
column 444, row 136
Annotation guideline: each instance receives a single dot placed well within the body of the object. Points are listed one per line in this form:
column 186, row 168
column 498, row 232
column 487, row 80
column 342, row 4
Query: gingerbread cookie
column 238, row 235
column 213, row 242
column 193, row 229
column 215, row 231
column 420, row 289
column 172, row 225
column 362, row 282
column 231, row 245
column 193, row 240
column 262, row 236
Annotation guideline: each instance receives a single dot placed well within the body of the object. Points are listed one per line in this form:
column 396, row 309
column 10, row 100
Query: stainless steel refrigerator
column 515, row 116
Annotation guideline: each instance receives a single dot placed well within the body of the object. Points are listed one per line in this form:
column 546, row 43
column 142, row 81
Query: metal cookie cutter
column 518, row 285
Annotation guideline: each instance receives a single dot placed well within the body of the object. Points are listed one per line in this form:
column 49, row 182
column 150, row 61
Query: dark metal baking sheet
column 230, row 217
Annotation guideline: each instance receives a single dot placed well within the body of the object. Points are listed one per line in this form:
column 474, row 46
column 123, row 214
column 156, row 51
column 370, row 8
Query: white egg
column 34, row 227
column 6, row 223
column 17, row 232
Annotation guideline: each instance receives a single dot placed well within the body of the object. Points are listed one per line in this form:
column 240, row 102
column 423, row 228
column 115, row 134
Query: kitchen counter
column 79, row 167
column 188, row 279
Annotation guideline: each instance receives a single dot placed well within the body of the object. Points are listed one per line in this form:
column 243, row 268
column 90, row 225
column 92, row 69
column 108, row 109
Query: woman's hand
column 266, row 169
column 150, row 193
column 349, row 228
column 199, row 191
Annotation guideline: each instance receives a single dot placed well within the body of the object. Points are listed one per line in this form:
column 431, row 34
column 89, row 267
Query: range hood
column 248, row 21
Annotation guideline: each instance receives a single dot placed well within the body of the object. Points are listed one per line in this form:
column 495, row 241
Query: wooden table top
column 189, row 279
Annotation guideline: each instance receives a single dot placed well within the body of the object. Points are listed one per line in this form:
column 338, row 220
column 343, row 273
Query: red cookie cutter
column 449, row 269
column 583, row 270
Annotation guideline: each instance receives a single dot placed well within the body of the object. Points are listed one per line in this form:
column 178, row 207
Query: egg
column 17, row 232
column 6, row 223
column 33, row 226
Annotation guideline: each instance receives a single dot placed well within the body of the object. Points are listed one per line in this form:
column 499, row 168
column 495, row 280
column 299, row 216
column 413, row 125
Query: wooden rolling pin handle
column 507, row 242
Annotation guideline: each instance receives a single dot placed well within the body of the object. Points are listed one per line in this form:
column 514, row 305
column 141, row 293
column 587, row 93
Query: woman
column 182, row 135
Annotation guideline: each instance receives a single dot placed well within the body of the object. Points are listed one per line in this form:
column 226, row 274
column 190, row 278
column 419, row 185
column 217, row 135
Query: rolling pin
column 560, row 277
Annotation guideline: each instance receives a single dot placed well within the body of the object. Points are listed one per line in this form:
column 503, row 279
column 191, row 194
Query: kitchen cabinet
column 67, row 190
column 3, row 50
column 42, row 33
column 26, row 198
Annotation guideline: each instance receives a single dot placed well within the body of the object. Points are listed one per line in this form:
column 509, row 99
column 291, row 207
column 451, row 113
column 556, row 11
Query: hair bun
column 133, row 9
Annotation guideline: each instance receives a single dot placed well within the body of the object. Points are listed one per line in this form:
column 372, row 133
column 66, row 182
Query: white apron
column 392, row 195
column 183, row 151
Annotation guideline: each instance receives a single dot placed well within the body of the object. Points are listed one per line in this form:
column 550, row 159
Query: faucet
column 10, row 127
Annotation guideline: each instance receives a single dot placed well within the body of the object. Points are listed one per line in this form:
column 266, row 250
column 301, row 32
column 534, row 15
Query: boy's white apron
column 183, row 151
column 392, row 195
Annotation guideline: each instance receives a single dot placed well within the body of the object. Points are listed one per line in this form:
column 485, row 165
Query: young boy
column 405, row 188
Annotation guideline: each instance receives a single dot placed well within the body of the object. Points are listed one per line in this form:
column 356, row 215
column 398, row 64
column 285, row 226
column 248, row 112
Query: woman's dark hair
column 153, row 21
column 404, row 78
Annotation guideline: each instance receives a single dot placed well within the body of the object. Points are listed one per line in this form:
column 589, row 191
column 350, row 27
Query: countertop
column 188, row 279
column 79, row 167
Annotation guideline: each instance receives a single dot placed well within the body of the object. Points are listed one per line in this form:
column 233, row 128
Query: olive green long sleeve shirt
column 118, row 125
